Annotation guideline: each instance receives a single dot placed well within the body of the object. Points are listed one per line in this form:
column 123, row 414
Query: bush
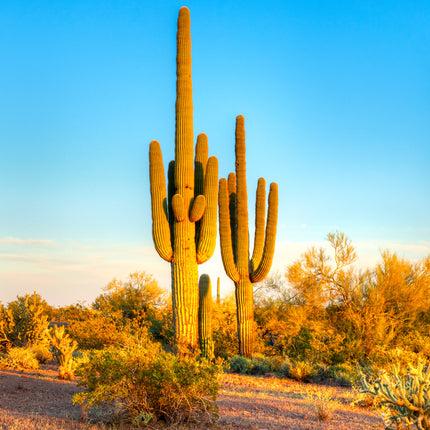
column 149, row 384
column 343, row 375
column 240, row 364
column 19, row 358
column 260, row 366
column 285, row 368
column 23, row 322
column 402, row 395
column 323, row 404
column 302, row 371
column 41, row 352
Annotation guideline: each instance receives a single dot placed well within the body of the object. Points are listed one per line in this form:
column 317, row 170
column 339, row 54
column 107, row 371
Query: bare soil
column 38, row 400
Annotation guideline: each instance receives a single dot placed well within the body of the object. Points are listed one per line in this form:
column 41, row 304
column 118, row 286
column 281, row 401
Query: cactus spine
column 205, row 316
column 184, row 218
column 234, row 236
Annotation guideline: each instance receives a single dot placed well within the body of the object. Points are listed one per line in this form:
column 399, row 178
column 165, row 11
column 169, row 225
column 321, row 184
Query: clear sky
column 336, row 99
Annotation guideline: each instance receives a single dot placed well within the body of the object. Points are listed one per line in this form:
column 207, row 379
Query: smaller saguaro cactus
column 205, row 316
column 218, row 292
column 234, row 236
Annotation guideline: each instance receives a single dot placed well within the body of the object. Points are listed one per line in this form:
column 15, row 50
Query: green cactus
column 218, row 292
column 402, row 396
column 63, row 347
column 205, row 317
column 184, row 220
column 234, row 236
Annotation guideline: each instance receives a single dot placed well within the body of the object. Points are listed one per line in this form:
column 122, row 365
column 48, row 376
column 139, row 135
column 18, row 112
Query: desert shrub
column 321, row 372
column 148, row 384
column 62, row 350
column 257, row 365
column 343, row 374
column 42, row 352
column 323, row 404
column 402, row 395
column 96, row 330
column 285, row 368
column 139, row 298
column 302, row 371
column 19, row 358
column 23, row 322
column 240, row 364
column 260, row 366
column 224, row 328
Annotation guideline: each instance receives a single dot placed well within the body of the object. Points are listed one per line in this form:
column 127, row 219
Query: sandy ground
column 38, row 400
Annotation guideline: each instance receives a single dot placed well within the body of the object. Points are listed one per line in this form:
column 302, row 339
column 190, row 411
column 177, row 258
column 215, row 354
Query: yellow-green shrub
column 23, row 322
column 19, row 358
column 149, row 384
column 41, row 352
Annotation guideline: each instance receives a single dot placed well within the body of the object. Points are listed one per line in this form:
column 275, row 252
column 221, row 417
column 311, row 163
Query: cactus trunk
column 184, row 219
column 245, row 316
column 234, row 237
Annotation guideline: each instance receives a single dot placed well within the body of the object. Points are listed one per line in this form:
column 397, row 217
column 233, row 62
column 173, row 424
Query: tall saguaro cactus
column 184, row 218
column 234, row 235
column 205, row 316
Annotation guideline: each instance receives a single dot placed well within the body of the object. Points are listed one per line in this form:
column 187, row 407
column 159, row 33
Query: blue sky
column 336, row 99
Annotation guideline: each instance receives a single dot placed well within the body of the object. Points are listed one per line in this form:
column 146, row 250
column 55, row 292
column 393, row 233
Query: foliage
column 19, row 358
column 62, row 350
column 345, row 314
column 42, row 352
column 258, row 365
column 139, row 298
column 224, row 328
column 239, row 364
column 403, row 395
column 23, row 322
column 343, row 374
column 149, row 384
column 302, row 371
column 323, row 404
column 97, row 330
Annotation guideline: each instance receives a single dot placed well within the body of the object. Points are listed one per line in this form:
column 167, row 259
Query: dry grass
column 37, row 400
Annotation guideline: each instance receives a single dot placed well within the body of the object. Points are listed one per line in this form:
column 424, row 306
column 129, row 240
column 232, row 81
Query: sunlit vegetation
column 322, row 322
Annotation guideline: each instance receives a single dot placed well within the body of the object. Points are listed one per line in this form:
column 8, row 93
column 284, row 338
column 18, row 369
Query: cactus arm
column 208, row 224
column 269, row 243
column 178, row 208
column 242, row 199
column 200, row 162
column 160, row 223
column 225, row 233
column 170, row 194
column 260, row 222
column 232, row 193
column 197, row 208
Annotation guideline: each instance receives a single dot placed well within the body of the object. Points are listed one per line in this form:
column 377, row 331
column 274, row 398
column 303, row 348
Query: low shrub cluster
column 19, row 358
column 300, row 370
column 147, row 384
